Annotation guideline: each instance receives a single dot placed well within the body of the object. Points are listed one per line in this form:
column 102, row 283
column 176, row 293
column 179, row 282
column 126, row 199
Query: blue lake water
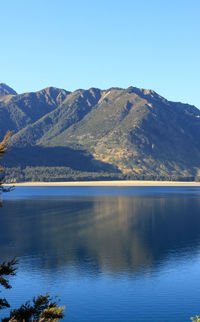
column 109, row 253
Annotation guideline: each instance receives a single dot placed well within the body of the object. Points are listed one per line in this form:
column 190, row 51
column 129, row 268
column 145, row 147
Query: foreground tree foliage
column 42, row 308
column 6, row 270
column 3, row 149
column 196, row 319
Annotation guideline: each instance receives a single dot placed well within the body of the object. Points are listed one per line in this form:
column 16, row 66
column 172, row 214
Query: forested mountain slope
column 17, row 111
column 97, row 134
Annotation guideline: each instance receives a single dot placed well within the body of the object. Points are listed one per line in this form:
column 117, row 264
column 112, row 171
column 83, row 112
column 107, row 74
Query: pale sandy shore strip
column 123, row 183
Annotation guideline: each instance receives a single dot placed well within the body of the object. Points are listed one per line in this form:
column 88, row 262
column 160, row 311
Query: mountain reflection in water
column 109, row 234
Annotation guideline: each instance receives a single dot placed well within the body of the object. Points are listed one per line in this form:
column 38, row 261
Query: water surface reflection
column 111, row 254
column 115, row 233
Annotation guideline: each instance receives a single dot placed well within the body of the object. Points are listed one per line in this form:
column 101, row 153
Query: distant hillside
column 97, row 134
column 16, row 112
column 6, row 90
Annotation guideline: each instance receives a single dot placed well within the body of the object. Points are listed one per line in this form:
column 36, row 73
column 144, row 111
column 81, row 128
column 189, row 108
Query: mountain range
column 98, row 134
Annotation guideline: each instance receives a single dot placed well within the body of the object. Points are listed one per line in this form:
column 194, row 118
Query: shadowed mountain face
column 6, row 90
column 135, row 131
column 17, row 111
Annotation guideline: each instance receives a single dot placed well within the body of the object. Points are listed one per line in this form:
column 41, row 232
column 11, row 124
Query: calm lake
column 109, row 253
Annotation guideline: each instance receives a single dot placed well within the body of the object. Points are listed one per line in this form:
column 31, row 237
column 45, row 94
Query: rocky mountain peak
column 6, row 90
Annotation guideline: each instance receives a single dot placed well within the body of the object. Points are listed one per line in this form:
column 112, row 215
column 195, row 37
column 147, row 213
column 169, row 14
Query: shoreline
column 125, row 183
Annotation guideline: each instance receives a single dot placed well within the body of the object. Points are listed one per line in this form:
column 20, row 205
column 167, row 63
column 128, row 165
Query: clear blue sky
column 75, row 44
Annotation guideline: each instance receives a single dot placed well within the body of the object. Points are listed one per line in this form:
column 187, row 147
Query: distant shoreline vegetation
column 64, row 174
